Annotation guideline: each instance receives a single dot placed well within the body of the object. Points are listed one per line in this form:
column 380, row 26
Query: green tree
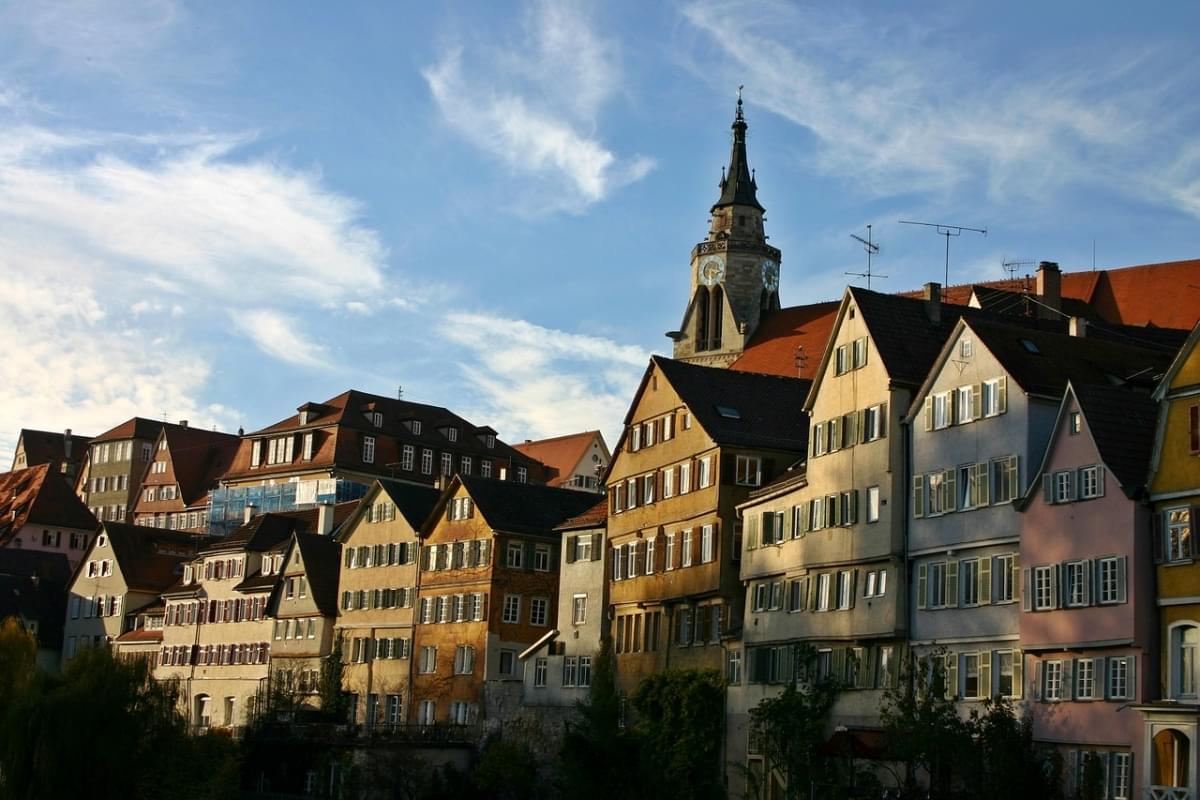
column 333, row 699
column 18, row 661
column 1091, row 783
column 1006, row 762
column 791, row 727
column 681, row 721
column 922, row 727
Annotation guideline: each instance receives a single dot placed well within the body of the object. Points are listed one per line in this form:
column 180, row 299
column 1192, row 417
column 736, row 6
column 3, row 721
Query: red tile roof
column 780, row 336
column 40, row 496
column 594, row 517
column 135, row 428
column 561, row 454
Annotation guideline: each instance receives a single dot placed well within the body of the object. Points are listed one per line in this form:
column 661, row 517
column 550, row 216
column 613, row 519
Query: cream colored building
column 377, row 590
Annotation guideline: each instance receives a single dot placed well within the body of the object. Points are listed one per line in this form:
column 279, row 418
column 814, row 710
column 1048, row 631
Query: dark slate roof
column 1060, row 358
column 738, row 186
column 594, row 517
column 135, row 428
column 322, row 560
column 769, row 407
column 49, row 447
column 525, row 507
column 150, row 558
column 52, row 567
column 1122, row 423
column 36, row 600
column 267, row 531
column 795, row 475
column 415, row 503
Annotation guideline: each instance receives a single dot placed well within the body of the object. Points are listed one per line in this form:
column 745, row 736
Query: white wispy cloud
column 894, row 108
column 534, row 105
column 538, row 382
column 279, row 336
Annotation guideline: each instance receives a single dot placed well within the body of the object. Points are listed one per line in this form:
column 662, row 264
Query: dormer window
column 489, row 441
column 452, row 434
column 187, row 573
column 102, row 541
column 375, row 418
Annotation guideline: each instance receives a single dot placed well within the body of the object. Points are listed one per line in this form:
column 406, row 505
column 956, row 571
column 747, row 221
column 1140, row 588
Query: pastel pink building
column 1089, row 625
column 39, row 510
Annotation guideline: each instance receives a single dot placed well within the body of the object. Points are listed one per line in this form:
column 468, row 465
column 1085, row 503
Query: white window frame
column 511, row 611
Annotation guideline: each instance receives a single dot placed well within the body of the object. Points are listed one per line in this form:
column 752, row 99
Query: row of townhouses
column 1004, row 476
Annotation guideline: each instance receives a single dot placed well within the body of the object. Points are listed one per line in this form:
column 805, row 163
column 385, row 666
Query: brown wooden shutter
column 571, row 540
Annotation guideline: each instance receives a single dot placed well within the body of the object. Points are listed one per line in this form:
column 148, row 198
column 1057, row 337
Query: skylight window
column 728, row 412
column 1030, row 346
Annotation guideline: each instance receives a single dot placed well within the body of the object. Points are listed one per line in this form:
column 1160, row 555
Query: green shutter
column 951, row 584
column 922, row 581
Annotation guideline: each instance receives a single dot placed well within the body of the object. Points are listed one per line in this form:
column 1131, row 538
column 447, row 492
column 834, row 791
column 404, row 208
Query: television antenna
column 947, row 231
column 872, row 250
column 1013, row 266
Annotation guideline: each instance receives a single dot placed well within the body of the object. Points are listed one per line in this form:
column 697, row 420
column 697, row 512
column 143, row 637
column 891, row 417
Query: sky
column 219, row 211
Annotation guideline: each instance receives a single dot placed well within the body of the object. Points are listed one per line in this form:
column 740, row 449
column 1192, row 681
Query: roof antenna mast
column 1012, row 266
column 872, row 250
column 947, row 231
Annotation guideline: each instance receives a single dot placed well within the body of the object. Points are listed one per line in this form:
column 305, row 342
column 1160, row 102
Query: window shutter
column 1072, row 485
column 571, row 540
column 1002, row 395
column 928, row 412
column 1132, row 692
column 982, row 484
column 1048, row 488
column 950, row 482
column 850, row 429
column 597, row 544
column 918, row 495
column 1194, row 428
column 883, row 419
column 805, row 516
column 1068, row 679
column 922, row 584
column 1037, row 677
column 860, row 425
column 951, row 676
column 984, row 591
column 1121, row 578
column 1026, row 593
column 951, row 584
column 985, row 673
column 1100, row 678
column 1100, row 481
column 977, row 401
column 1194, row 530
column 752, row 532
column 853, row 586
column 853, row 507
column 1056, row 586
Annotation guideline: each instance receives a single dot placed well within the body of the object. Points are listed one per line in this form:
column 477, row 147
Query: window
column 686, row 561
column 823, row 592
column 1076, row 424
column 368, row 455
column 705, row 472
column 964, row 348
column 669, row 553
column 760, row 597
column 668, row 482
column 874, row 422
column 1178, row 533
column 1111, row 580
column 970, row 584
column 1052, row 677
column 1075, row 573
column 1091, row 482
column 876, row 585
column 1045, row 588
column 1006, row 579
column 512, row 608
column 1004, row 673
column 937, row 585
column 522, row 474
column 1119, row 669
column 407, row 456
column 541, row 558
column 538, row 611
column 428, row 663
column 1121, row 772
column 685, row 477
column 649, row 565
column 994, row 397
column 1061, row 487
column 1085, row 679
column 464, row 659
column 584, row 679
column 428, row 713
column 447, row 463
column 963, row 404
column 748, row 471
column 579, row 609
column 706, row 544
column 842, row 360
column 860, row 352
column 426, row 461
column 485, row 468
column 540, row 670
column 872, row 504
column 941, row 410
column 1004, row 479
column 647, row 489
column 845, row 589
column 515, row 555
column 972, row 688
column 570, row 670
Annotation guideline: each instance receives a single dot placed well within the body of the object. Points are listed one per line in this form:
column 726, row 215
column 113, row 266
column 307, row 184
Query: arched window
column 702, row 316
column 715, row 315
column 1170, row 755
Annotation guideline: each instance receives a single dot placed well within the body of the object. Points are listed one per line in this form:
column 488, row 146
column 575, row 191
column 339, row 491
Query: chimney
column 249, row 513
column 933, row 301
column 183, row 423
column 1049, row 289
column 325, row 519
column 1077, row 326
column 67, row 444
column 241, row 431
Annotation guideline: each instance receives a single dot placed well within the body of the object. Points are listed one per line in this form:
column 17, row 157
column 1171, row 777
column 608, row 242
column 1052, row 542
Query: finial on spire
column 739, row 102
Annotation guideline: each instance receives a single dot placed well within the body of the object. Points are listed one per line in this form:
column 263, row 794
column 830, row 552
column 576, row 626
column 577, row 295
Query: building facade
column 186, row 465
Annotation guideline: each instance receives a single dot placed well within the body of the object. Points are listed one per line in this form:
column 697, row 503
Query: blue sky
column 218, row 211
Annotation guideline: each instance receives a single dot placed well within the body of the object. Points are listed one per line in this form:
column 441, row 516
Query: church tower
column 735, row 273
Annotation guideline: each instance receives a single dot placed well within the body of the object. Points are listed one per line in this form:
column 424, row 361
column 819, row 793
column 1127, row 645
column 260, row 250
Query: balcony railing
column 1170, row 793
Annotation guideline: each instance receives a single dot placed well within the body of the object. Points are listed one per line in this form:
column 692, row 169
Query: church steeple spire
column 737, row 184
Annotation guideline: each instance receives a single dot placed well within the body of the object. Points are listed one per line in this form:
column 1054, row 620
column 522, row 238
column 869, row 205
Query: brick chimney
column 1077, row 326
column 1049, row 289
column 933, row 301
column 248, row 514
column 325, row 519
column 183, row 423
column 67, row 444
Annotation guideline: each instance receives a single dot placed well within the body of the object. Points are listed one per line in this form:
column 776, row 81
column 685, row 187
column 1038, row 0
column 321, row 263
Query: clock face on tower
column 770, row 275
column 712, row 270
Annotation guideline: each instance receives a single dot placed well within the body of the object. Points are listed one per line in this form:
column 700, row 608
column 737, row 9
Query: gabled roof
column 322, row 559
column 135, row 428
column 1181, row 356
column 198, row 458
column 150, row 559
column 415, row 503
column 514, row 507
column 49, row 447
column 594, row 517
column 781, row 334
column 37, row 495
column 41, row 564
column 562, row 453
column 747, row 409
column 1122, row 423
column 269, row 530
